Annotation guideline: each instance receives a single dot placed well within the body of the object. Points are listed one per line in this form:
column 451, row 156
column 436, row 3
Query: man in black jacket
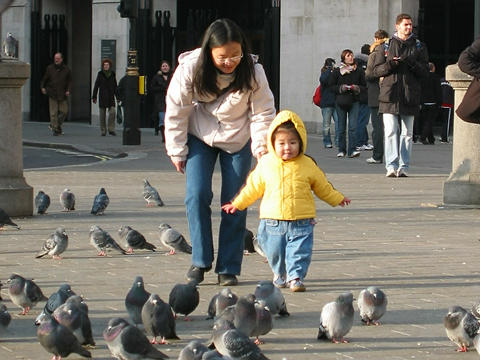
column 404, row 64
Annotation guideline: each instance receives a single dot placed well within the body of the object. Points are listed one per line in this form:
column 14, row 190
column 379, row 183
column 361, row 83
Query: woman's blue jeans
column 352, row 127
column 198, row 199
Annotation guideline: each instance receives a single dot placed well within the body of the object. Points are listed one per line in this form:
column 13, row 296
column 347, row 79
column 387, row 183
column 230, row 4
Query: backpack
column 317, row 96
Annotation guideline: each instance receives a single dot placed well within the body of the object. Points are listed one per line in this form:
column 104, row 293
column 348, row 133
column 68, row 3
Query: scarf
column 376, row 43
column 107, row 73
column 346, row 69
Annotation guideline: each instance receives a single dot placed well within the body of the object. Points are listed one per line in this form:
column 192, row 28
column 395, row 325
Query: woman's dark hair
column 329, row 63
column 288, row 126
column 219, row 33
column 344, row 53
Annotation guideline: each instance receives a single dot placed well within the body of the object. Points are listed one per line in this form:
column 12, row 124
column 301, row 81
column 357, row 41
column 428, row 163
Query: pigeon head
column 164, row 226
column 60, row 231
column 452, row 320
column 102, row 191
column 146, row 183
column 114, row 328
column 345, row 299
column 15, row 283
column 155, row 300
column 139, row 282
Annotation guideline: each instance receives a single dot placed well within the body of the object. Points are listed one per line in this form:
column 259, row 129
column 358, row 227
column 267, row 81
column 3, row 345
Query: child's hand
column 229, row 208
column 345, row 201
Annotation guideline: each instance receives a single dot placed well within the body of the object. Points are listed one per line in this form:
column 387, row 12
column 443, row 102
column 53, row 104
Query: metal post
column 131, row 128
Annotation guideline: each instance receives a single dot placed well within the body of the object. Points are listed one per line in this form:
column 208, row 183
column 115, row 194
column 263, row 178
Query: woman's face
column 106, row 66
column 227, row 57
column 349, row 59
column 165, row 68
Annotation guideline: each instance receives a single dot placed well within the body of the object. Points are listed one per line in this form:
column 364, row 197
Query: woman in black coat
column 159, row 88
column 106, row 88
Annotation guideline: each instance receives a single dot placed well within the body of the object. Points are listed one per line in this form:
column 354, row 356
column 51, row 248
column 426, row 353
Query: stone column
column 463, row 185
column 16, row 196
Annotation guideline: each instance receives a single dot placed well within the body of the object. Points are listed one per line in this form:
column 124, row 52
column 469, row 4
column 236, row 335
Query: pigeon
column 158, row 319
column 272, row 297
column 100, row 202
column 78, row 301
column 336, row 319
column 10, row 46
column 67, row 199
column 150, row 194
column 102, row 241
column 233, row 343
column 5, row 318
column 136, row 297
column 126, row 341
column 5, row 220
column 24, row 293
column 264, row 322
column 77, row 321
column 476, row 310
column 372, row 304
column 193, row 351
column 248, row 242
column 173, row 240
column 134, row 240
column 245, row 314
column 42, row 202
column 54, row 301
column 184, row 298
column 461, row 327
column 55, row 245
column 59, row 340
column 212, row 355
column 220, row 302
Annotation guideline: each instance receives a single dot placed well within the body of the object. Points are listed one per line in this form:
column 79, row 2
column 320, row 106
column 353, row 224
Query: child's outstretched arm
column 229, row 208
column 345, row 201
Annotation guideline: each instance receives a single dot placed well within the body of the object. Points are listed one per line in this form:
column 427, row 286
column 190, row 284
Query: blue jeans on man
column 342, row 113
column 398, row 148
column 198, row 198
column 288, row 246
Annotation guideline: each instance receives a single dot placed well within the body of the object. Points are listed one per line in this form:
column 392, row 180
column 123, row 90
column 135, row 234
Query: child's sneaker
column 297, row 286
column 279, row 281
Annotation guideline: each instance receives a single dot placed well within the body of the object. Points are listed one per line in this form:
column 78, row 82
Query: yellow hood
column 282, row 117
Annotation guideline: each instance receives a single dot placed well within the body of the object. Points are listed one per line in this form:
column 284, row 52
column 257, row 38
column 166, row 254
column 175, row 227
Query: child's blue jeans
column 288, row 246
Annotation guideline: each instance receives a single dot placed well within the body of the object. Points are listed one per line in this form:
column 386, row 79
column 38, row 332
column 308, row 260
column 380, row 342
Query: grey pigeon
column 77, row 321
column 173, row 240
column 184, row 298
column 126, row 341
column 336, row 319
column 157, row 317
column 5, row 220
column 10, row 46
column 220, row 302
column 67, row 199
column 212, row 355
column 150, row 194
column 55, row 245
column 79, row 302
column 372, row 304
column 59, row 340
column 273, row 298
column 134, row 240
column 102, row 241
column 42, row 202
column 264, row 322
column 461, row 327
column 233, row 343
column 193, row 351
column 245, row 314
column 136, row 297
column 54, row 301
column 100, row 202
column 5, row 318
column 24, row 293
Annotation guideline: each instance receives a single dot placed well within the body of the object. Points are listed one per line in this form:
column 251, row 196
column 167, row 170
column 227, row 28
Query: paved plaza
column 396, row 234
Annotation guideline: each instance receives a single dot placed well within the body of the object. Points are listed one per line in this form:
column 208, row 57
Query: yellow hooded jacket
column 286, row 186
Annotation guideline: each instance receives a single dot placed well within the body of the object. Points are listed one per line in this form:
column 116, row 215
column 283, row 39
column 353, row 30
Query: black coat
column 159, row 88
column 400, row 89
column 106, row 89
column 356, row 77
column 328, row 96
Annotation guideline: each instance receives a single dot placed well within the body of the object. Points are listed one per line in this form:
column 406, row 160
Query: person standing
column 56, row 84
column 446, row 109
column 403, row 64
column 327, row 104
column 219, row 106
column 373, row 87
column 159, row 87
column 106, row 88
column 363, row 108
column 431, row 101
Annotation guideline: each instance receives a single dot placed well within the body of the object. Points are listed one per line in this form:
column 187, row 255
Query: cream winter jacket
column 286, row 186
column 227, row 121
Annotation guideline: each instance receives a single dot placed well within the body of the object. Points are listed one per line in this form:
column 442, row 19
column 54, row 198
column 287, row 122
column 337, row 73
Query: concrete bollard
column 16, row 196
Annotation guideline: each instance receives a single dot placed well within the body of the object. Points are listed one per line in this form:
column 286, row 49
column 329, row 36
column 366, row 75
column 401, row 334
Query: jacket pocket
column 388, row 91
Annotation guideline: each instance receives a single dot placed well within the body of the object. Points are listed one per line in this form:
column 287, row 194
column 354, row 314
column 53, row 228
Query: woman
column 106, row 86
column 346, row 81
column 327, row 104
column 159, row 87
column 219, row 105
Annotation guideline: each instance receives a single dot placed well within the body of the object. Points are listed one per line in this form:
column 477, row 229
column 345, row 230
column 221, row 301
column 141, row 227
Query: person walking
column 403, row 64
column 56, row 84
column 219, row 106
column 159, row 87
column 373, row 88
column 363, row 109
column 327, row 104
column 106, row 88
column 287, row 217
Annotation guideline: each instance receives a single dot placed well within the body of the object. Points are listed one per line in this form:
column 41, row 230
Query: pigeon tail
column 322, row 333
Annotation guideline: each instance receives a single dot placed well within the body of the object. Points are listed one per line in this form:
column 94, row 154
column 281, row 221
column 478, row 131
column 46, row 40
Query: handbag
column 119, row 114
column 317, row 96
column 469, row 108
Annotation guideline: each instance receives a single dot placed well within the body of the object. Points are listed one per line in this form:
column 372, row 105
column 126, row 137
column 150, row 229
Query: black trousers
column 428, row 114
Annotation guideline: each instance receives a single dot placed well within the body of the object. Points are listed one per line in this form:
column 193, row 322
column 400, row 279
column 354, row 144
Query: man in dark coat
column 404, row 64
column 159, row 87
column 56, row 84
column 106, row 88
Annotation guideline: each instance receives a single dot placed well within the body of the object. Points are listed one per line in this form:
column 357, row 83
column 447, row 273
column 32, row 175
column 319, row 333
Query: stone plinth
column 463, row 185
column 16, row 196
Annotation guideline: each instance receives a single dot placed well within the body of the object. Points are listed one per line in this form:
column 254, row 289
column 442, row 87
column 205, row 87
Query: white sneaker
column 354, row 154
column 371, row 160
column 391, row 173
column 402, row 173
column 368, row 147
column 341, row 154
column 360, row 148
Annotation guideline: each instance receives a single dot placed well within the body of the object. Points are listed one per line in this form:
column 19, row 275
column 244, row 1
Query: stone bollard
column 463, row 185
column 16, row 196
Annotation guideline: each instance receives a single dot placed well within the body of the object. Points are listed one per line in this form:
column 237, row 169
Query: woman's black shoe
column 227, row 280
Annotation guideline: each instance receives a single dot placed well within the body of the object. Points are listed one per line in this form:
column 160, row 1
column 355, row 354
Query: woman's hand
column 229, row 208
column 260, row 154
column 180, row 165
